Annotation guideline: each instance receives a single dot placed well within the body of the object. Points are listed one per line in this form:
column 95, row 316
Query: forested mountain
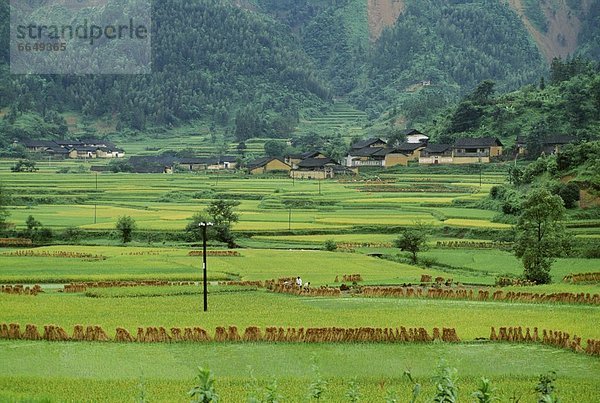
column 209, row 59
column 253, row 67
column 567, row 104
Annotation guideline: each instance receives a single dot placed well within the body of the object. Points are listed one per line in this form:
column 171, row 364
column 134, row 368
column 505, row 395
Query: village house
column 152, row 164
column 83, row 149
column 38, row 146
column 551, row 145
column 294, row 159
column 464, row 151
column 476, row 150
column 208, row 164
column 436, row 154
column 319, row 168
column 376, row 153
column 414, row 136
column 267, row 164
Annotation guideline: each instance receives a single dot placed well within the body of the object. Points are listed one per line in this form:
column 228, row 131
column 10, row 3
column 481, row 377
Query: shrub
column 125, row 226
column 204, row 391
column 330, row 245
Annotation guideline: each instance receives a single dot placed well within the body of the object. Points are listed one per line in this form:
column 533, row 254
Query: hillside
column 569, row 104
column 209, row 60
column 260, row 68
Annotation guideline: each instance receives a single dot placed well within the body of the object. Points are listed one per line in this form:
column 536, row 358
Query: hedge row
column 480, row 295
column 549, row 337
column 19, row 289
column 231, row 334
column 582, row 278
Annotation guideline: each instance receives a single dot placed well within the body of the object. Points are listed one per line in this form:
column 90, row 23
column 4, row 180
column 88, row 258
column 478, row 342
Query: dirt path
column 383, row 14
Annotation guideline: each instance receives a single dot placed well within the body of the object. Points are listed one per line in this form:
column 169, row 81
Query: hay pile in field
column 582, row 278
column 242, row 283
column 19, row 289
column 480, row 295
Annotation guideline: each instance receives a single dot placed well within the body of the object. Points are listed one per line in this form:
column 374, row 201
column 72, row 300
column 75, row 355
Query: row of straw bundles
column 230, row 334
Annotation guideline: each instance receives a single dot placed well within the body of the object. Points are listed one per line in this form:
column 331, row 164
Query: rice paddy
column 282, row 229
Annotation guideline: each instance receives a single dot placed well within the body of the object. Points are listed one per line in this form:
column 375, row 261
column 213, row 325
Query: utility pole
column 204, row 280
column 290, row 219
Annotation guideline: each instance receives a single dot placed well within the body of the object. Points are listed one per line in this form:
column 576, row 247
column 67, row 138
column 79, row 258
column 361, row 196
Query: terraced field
column 283, row 226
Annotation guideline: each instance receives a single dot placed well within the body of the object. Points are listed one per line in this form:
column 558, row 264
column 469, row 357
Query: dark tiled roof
column 38, row 143
column 437, row 148
column 367, row 151
column 199, row 161
column 261, row 162
column 85, row 149
column 553, row 140
column 478, row 142
column 308, row 154
column 408, row 132
column 382, row 151
column 408, row 147
column 316, row 162
column 228, row 158
column 69, row 142
column 366, row 143
column 57, row 150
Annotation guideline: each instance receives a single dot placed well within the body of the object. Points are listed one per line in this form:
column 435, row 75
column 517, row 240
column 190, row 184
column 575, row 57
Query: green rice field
column 283, row 227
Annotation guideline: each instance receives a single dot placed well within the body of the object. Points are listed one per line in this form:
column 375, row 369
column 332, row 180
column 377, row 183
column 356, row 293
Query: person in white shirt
column 299, row 282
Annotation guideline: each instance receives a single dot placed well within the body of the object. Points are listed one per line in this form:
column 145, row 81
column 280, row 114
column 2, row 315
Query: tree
column 4, row 201
column 24, row 166
column 223, row 216
column 274, row 148
column 484, row 92
column 540, row 235
column 193, row 227
column 412, row 240
column 466, row 117
column 125, row 225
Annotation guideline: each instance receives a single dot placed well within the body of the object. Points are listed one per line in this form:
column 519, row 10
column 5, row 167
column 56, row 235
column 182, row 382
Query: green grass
column 496, row 262
column 261, row 308
column 113, row 372
column 164, row 203
column 129, row 263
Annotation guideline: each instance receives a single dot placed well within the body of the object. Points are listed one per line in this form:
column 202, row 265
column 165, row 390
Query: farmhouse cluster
column 376, row 152
column 90, row 148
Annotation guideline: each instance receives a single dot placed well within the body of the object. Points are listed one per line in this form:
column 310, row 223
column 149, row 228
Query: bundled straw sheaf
column 554, row 338
column 582, row 278
column 257, row 283
column 220, row 253
column 15, row 242
column 481, row 295
column 82, row 287
column 19, row 289
column 54, row 254
column 153, row 334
